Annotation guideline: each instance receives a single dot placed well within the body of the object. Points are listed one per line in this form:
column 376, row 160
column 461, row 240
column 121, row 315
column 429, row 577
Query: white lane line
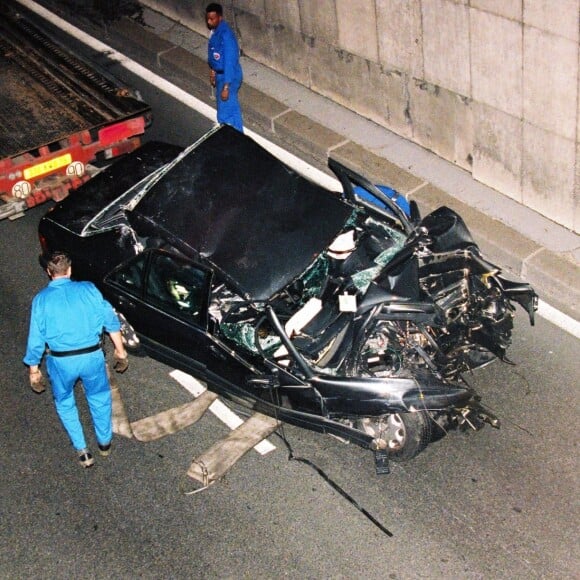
column 223, row 413
column 546, row 311
column 559, row 319
column 180, row 95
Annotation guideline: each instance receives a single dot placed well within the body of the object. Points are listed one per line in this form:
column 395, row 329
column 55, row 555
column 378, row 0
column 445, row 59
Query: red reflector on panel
column 121, row 131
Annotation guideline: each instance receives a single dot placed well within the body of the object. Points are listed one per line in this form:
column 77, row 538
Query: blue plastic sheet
column 391, row 193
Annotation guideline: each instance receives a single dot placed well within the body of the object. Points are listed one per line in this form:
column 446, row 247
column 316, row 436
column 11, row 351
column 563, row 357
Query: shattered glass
column 244, row 334
column 362, row 279
column 315, row 277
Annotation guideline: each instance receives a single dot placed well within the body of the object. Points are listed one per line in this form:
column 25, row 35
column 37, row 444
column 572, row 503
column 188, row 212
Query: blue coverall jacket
column 223, row 56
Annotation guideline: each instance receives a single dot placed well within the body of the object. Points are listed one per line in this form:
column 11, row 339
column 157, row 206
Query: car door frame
column 211, row 351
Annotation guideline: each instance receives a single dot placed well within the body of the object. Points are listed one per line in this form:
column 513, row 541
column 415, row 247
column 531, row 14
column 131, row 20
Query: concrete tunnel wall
column 490, row 85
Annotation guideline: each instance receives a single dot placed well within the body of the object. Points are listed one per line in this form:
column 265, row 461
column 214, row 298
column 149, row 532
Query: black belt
column 77, row 351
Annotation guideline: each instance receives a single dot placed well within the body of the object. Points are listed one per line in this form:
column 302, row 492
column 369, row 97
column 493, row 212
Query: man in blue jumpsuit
column 225, row 71
column 69, row 318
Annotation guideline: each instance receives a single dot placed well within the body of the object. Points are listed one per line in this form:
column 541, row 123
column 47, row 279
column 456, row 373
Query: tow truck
column 61, row 116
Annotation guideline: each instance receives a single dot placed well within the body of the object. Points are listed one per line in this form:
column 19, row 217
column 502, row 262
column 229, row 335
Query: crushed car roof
column 260, row 223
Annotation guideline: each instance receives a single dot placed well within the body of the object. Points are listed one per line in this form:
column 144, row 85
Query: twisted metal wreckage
column 344, row 313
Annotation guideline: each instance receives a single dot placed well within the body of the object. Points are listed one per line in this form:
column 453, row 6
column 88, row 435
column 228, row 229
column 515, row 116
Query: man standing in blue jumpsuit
column 69, row 318
column 225, row 71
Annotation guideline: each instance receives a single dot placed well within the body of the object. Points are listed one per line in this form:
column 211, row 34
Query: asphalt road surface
column 492, row 504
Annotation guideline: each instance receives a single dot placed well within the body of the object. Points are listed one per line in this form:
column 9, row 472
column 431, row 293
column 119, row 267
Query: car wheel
column 405, row 434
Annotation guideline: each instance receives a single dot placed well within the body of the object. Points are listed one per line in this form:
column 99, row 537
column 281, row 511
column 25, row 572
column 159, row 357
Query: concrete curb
column 547, row 258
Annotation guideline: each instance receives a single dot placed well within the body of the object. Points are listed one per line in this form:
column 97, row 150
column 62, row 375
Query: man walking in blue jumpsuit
column 69, row 318
column 225, row 71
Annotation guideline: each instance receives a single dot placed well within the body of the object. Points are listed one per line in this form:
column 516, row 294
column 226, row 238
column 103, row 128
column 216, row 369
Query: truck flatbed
column 52, row 101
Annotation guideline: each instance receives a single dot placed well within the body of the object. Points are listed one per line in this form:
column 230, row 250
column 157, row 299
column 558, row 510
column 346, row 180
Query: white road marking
column 180, row 95
column 218, row 408
column 558, row 318
column 548, row 312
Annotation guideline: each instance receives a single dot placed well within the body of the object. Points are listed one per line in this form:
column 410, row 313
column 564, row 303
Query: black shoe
column 105, row 450
column 85, row 458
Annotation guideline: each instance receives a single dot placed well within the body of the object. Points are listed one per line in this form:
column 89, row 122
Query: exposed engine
column 424, row 309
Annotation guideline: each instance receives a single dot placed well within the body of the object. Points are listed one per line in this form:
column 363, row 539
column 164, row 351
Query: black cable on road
column 332, row 483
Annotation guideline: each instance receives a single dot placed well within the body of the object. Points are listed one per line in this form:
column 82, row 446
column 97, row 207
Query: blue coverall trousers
column 229, row 112
column 90, row 368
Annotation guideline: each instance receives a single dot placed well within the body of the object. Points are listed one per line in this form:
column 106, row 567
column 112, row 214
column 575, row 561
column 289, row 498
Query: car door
column 165, row 298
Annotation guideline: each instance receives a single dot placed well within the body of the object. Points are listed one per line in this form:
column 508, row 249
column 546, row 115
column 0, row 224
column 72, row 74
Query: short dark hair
column 57, row 263
column 215, row 7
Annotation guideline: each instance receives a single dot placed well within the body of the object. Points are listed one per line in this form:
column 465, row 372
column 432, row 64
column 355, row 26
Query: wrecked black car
column 340, row 312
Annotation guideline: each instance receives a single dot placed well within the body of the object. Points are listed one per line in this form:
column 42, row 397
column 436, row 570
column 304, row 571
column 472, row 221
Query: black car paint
column 230, row 207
